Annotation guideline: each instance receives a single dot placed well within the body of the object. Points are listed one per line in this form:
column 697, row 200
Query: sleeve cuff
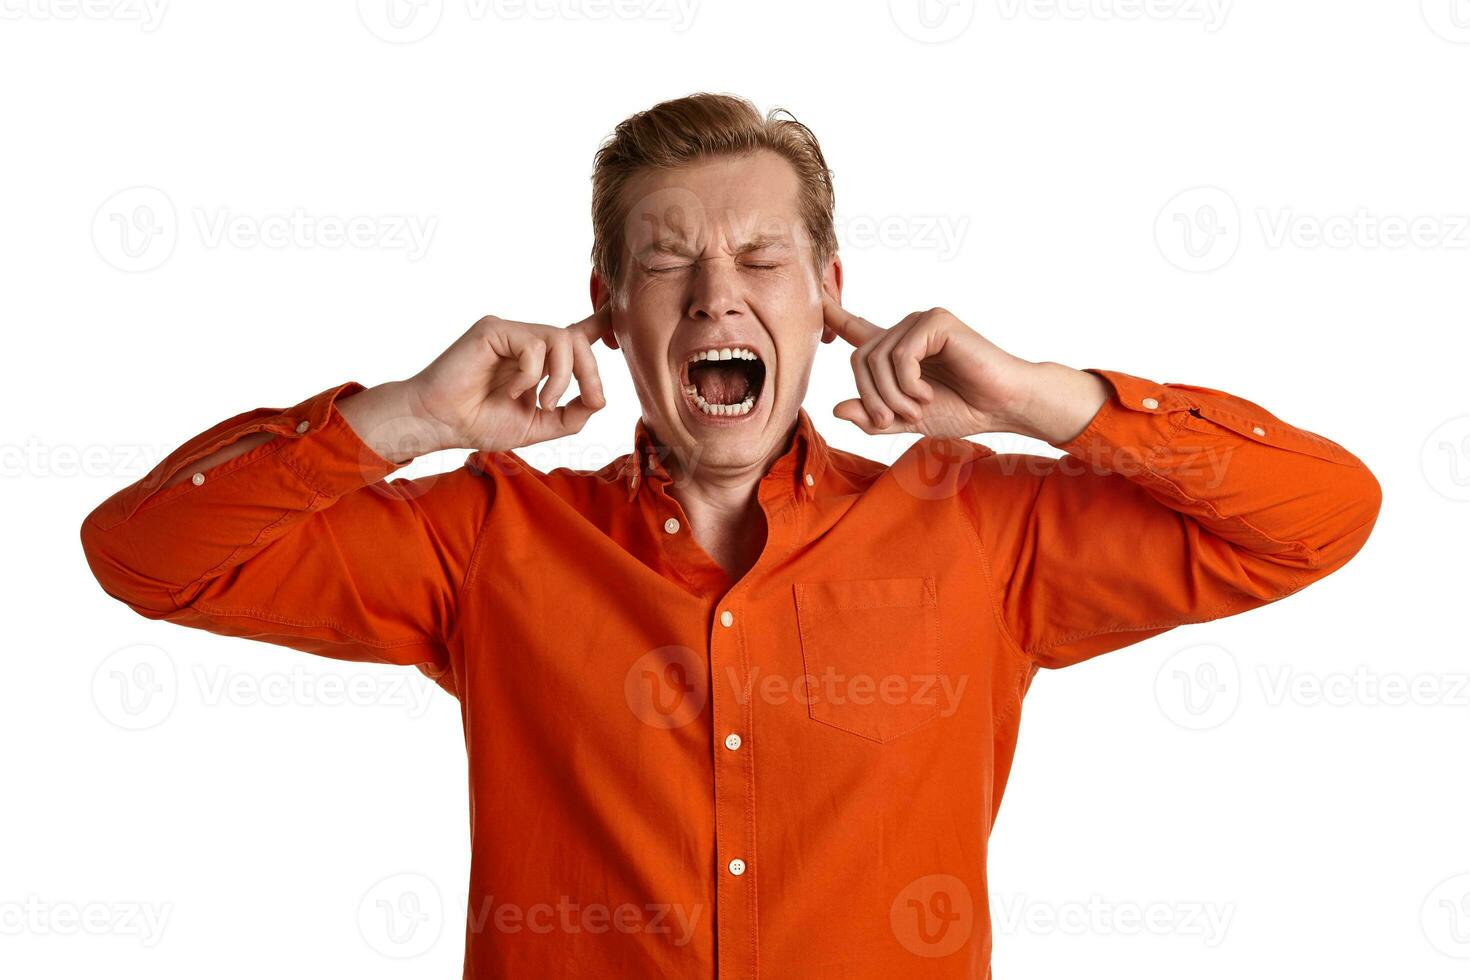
column 1136, row 422
column 324, row 450
column 1141, row 417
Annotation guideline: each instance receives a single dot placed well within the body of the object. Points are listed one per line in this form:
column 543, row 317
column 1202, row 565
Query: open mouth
column 724, row 380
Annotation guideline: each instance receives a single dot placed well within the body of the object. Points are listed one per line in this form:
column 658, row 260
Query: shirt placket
column 731, row 719
column 732, row 715
column 732, row 707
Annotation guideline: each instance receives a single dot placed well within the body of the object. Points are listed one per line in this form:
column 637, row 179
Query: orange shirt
column 674, row 775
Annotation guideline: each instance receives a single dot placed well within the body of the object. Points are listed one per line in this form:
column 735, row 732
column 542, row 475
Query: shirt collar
column 802, row 464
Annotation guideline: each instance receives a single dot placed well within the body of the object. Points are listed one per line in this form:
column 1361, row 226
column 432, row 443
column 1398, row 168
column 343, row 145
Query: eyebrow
column 677, row 246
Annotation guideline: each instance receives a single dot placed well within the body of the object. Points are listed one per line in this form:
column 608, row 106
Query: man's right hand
column 481, row 393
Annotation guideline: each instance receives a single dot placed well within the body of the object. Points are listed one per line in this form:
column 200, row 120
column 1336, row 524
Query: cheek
column 795, row 289
column 645, row 347
column 791, row 308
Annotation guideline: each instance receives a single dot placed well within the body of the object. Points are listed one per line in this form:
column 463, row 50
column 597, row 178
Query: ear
column 832, row 286
column 601, row 294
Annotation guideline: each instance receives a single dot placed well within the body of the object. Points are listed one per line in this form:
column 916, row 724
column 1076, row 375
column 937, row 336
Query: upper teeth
column 725, row 354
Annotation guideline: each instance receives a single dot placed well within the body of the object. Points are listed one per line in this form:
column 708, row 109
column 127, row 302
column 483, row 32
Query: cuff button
column 302, row 426
column 1150, row 403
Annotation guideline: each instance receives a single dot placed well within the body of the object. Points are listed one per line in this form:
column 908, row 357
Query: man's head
column 712, row 232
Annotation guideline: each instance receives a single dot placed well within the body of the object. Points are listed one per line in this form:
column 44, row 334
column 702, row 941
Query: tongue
column 721, row 384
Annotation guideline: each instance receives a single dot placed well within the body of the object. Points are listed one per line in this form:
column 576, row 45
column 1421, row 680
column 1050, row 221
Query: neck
column 724, row 508
column 727, row 522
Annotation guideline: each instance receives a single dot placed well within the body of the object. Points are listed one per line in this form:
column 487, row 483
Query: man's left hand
column 931, row 374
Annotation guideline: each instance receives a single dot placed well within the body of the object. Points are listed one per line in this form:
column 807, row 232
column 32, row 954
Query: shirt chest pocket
column 871, row 653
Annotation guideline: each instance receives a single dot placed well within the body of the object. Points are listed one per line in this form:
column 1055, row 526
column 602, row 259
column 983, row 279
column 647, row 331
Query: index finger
column 595, row 325
column 849, row 326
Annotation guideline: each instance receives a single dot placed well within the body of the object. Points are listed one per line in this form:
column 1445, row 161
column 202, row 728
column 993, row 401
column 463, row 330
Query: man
column 738, row 704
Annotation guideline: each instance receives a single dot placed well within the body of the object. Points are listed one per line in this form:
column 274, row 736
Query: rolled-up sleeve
column 1176, row 504
column 298, row 541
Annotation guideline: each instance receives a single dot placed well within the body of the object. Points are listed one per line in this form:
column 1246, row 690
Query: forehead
column 741, row 196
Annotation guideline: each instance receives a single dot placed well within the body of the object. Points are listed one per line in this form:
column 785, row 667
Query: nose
column 715, row 290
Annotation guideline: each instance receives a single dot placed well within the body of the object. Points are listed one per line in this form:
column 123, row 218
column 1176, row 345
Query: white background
column 1034, row 168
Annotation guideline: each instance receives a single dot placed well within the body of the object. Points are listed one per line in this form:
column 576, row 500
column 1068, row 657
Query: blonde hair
column 703, row 125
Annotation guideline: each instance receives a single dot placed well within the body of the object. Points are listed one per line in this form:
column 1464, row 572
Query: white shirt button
column 302, row 426
column 732, row 741
column 809, row 480
column 1150, row 403
column 198, row 478
column 737, row 867
column 1259, row 431
column 727, row 619
column 672, row 525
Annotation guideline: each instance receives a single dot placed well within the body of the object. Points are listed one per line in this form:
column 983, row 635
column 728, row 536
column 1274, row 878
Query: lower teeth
column 739, row 408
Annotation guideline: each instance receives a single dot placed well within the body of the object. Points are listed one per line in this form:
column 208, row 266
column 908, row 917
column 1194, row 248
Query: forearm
column 390, row 421
column 1061, row 403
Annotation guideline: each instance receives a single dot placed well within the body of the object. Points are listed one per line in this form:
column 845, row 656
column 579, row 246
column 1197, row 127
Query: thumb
column 553, row 423
column 852, row 410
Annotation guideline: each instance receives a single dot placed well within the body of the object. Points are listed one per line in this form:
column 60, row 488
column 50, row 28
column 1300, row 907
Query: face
column 721, row 309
